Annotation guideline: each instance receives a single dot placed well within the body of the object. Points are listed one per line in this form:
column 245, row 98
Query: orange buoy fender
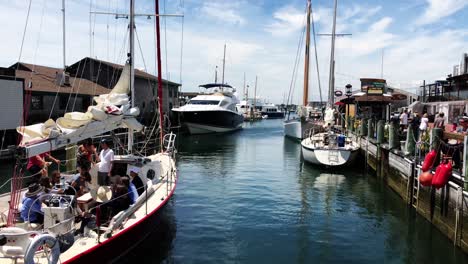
column 429, row 160
column 425, row 178
column 442, row 175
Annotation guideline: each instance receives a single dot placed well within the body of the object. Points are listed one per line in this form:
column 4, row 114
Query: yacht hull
column 203, row 122
column 119, row 245
column 329, row 157
column 296, row 129
column 272, row 115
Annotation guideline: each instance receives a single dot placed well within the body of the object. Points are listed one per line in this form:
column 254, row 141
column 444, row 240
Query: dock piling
column 380, row 131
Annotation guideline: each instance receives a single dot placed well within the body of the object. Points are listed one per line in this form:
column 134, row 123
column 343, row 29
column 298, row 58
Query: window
column 37, row 102
column 203, row 102
column 150, row 174
column 63, row 99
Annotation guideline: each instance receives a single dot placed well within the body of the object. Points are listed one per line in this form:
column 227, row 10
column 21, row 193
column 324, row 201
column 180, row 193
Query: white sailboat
column 329, row 148
column 296, row 128
column 55, row 241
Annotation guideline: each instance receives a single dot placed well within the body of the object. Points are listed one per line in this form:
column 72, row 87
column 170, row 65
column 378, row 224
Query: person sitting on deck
column 31, row 209
column 81, row 185
column 48, row 187
column 136, row 180
column 37, row 165
column 131, row 189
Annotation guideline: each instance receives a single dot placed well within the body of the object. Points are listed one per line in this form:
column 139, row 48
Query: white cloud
column 438, row 9
column 287, row 20
column 224, row 12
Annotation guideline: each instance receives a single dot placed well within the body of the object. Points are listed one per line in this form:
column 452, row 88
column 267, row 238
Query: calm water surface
column 246, row 197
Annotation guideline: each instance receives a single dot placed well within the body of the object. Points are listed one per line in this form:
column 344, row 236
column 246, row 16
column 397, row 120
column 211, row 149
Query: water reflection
column 157, row 246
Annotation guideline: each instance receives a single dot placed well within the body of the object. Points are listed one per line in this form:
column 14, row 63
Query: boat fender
column 425, row 179
column 37, row 242
column 442, row 175
column 429, row 160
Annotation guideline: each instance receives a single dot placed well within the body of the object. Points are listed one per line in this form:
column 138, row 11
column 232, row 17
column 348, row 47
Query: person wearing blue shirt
column 132, row 191
column 31, row 209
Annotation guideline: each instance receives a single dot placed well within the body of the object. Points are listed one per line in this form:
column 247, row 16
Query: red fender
column 425, row 178
column 429, row 160
column 442, row 175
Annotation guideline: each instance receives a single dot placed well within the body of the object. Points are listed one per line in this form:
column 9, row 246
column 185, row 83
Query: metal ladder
column 415, row 191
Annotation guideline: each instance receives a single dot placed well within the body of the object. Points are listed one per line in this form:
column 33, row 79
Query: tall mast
column 216, row 74
column 305, row 96
column 224, row 63
column 245, row 94
column 131, row 60
column 331, row 80
column 63, row 34
column 255, row 96
column 160, row 90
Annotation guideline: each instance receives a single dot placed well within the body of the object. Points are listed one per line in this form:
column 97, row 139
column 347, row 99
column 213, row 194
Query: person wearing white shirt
column 403, row 120
column 105, row 159
column 424, row 125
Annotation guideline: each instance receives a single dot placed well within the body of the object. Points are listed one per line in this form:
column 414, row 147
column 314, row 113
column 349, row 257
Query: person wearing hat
column 136, row 180
column 105, row 159
column 31, row 209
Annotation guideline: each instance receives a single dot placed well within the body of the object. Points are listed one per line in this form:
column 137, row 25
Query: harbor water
column 246, row 197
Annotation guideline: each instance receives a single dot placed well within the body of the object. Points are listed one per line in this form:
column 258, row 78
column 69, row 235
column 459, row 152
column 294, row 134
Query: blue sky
column 421, row 39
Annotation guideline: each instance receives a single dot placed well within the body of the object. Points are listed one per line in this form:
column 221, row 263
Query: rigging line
column 107, row 30
column 24, row 35
column 71, row 92
column 79, row 85
column 296, row 62
column 299, row 47
column 121, row 54
column 165, row 49
column 316, row 56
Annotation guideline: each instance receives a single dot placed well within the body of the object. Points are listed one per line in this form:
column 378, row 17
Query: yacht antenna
column 224, row 64
column 255, row 97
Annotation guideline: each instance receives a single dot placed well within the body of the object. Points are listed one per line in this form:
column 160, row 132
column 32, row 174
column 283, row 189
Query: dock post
column 410, row 144
column 436, row 137
column 363, row 128
column 370, row 128
column 465, row 159
column 393, row 139
column 380, row 131
column 351, row 124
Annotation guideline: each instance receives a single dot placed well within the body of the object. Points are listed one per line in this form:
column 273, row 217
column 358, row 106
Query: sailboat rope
column 296, row 63
column 316, row 56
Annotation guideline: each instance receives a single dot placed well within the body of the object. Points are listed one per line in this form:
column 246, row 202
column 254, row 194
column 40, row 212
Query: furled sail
column 112, row 110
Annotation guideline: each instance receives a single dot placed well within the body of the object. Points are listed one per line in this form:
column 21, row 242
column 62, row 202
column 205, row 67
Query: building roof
column 42, row 79
column 138, row 73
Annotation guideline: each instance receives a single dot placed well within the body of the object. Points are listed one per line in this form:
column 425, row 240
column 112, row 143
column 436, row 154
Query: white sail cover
column 111, row 111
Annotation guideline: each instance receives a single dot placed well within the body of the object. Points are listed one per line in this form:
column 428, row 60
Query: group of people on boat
column 112, row 194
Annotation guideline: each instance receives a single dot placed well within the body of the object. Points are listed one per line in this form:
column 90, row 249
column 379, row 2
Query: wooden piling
column 393, row 138
column 370, row 128
column 380, row 131
column 436, row 137
column 410, row 145
column 363, row 128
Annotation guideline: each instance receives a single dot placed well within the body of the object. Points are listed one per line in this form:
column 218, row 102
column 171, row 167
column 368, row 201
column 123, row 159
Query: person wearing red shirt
column 37, row 165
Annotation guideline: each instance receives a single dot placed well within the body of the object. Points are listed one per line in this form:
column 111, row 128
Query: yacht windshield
column 204, row 102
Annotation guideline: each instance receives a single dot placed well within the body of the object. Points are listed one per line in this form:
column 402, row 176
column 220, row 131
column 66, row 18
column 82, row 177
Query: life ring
column 41, row 240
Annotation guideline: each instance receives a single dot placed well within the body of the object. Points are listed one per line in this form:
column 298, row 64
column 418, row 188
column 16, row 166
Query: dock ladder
column 415, row 191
